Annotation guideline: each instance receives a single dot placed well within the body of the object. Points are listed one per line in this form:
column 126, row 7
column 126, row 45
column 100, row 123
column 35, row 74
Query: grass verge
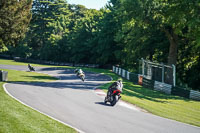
column 18, row 118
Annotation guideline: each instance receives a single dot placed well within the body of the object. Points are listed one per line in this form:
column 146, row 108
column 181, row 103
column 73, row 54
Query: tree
column 49, row 23
column 83, row 36
column 171, row 17
column 14, row 19
column 179, row 21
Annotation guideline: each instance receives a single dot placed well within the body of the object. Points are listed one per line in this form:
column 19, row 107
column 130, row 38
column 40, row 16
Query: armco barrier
column 133, row 77
column 116, row 70
column 119, row 71
column 148, row 83
column 178, row 91
column 123, row 73
column 127, row 75
column 194, row 95
column 159, row 86
column 113, row 69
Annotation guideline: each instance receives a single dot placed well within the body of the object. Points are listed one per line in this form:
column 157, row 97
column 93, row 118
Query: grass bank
column 18, row 118
column 168, row 106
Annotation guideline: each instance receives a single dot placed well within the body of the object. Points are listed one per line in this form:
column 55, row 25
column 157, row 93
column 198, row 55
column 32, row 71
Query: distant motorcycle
column 82, row 77
column 80, row 74
column 112, row 97
column 31, row 68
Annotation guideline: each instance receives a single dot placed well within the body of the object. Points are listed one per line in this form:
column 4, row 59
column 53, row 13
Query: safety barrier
column 159, row 86
column 194, row 95
column 125, row 74
column 156, row 85
column 148, row 83
column 178, row 91
column 133, row 77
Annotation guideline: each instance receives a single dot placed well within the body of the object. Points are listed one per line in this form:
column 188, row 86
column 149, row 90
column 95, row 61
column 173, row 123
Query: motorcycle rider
column 79, row 72
column 31, row 68
column 117, row 85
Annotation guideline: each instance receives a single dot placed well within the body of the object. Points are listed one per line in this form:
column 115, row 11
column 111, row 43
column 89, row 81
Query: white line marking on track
column 102, row 94
column 122, row 103
column 4, row 86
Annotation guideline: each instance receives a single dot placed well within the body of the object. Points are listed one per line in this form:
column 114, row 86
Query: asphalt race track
column 79, row 105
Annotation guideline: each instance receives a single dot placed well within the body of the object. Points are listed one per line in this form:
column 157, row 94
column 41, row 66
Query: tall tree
column 171, row 17
column 47, row 26
column 82, row 37
column 14, row 19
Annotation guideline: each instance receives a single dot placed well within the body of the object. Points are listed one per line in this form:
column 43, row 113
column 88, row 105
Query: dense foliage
column 121, row 33
column 14, row 19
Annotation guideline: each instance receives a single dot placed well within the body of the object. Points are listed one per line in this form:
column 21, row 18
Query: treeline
column 121, row 33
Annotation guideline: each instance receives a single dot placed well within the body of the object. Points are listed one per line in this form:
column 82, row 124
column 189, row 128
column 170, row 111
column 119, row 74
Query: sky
column 91, row 4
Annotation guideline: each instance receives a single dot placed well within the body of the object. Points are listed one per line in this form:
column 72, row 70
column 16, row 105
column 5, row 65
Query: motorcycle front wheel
column 114, row 101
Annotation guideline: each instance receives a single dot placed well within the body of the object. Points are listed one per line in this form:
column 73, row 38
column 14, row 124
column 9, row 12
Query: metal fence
column 157, row 72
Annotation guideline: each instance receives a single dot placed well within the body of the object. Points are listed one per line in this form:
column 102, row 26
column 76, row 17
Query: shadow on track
column 61, row 85
column 102, row 103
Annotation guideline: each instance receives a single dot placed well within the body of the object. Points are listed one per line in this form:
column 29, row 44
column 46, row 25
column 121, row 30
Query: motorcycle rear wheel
column 82, row 77
column 105, row 100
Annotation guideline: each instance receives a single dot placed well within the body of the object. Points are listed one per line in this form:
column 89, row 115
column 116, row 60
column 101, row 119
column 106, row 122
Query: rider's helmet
column 80, row 70
column 119, row 80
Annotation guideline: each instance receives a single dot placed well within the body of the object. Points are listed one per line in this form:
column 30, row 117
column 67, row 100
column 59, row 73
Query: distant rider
column 79, row 72
column 30, row 67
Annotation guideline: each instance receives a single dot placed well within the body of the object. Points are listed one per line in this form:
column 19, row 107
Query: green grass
column 168, row 106
column 12, row 62
column 22, row 76
column 18, row 118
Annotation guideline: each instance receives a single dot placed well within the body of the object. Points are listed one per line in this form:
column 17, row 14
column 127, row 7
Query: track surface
column 75, row 102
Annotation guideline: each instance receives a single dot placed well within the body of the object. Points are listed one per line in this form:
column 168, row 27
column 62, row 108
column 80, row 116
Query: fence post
column 122, row 72
column 128, row 73
column 163, row 72
column 113, row 69
column 142, row 67
column 174, row 75
column 119, row 71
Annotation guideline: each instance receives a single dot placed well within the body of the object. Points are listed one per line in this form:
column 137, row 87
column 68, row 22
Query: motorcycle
column 82, row 76
column 31, row 68
column 112, row 97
